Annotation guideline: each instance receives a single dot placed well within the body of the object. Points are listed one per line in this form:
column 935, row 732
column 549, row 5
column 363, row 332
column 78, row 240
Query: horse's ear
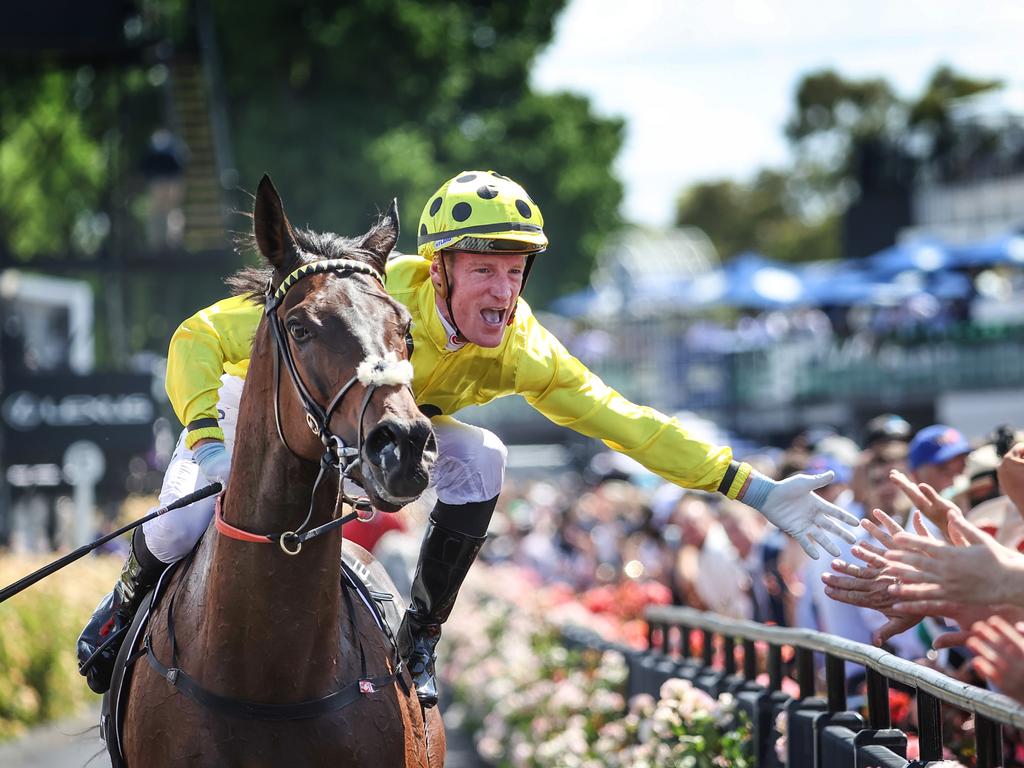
column 381, row 240
column 272, row 229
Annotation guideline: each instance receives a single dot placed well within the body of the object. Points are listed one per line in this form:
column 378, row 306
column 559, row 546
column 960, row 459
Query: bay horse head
column 344, row 343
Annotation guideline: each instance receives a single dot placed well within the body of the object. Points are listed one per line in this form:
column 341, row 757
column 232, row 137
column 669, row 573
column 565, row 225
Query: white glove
column 792, row 506
column 215, row 461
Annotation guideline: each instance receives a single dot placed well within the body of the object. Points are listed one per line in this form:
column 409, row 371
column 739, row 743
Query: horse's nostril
column 430, row 444
column 380, row 439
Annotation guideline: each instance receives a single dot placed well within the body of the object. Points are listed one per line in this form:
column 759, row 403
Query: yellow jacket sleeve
column 565, row 391
column 212, row 341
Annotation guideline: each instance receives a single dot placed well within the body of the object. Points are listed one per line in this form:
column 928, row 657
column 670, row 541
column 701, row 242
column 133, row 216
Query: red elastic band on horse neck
column 230, row 531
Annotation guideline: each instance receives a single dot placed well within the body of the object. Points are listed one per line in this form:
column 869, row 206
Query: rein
column 372, row 373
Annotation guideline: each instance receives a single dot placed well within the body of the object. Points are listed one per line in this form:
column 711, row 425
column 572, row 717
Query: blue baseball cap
column 824, row 463
column 936, row 444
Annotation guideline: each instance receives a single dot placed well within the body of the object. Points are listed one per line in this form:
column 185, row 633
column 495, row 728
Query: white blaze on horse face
column 384, row 371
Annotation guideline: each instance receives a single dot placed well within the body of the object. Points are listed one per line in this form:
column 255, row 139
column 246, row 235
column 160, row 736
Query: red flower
column 899, row 707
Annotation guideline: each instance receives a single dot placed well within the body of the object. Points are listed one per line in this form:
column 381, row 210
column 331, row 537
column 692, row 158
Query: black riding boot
column 115, row 612
column 445, row 559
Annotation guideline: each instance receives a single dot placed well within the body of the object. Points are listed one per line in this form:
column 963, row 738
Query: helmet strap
column 447, row 288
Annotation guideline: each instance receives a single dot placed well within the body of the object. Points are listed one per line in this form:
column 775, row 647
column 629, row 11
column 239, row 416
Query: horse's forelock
column 251, row 282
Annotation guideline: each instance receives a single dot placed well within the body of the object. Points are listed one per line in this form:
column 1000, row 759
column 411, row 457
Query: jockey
column 474, row 340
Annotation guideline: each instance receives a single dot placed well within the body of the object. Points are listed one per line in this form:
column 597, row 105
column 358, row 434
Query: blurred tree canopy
column 345, row 104
column 54, row 160
column 349, row 104
column 848, row 137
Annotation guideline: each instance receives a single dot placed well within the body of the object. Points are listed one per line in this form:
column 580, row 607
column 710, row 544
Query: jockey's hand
column 792, row 505
column 215, row 461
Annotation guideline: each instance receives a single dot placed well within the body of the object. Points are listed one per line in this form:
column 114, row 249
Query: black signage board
column 41, row 416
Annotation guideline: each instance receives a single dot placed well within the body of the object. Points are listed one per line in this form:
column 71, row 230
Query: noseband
column 373, row 372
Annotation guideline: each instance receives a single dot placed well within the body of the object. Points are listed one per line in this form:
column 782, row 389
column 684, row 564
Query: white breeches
column 470, row 467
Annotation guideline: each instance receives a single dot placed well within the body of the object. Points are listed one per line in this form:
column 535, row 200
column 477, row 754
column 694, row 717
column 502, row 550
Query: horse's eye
column 298, row 331
column 408, row 343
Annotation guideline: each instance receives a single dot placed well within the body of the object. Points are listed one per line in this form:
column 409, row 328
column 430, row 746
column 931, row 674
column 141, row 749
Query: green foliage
column 52, row 168
column 847, row 135
column 931, row 117
column 39, row 678
column 759, row 216
column 349, row 105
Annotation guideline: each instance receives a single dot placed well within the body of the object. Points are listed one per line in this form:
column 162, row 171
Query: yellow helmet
column 481, row 211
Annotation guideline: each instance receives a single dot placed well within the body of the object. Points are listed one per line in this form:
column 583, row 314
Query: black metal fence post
column 835, row 683
column 988, row 740
column 749, row 660
column 929, row 724
column 878, row 700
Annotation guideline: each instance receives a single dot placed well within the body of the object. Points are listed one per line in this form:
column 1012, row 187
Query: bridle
column 372, row 373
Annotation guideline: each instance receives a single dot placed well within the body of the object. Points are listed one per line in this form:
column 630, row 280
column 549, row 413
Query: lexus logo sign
column 26, row 411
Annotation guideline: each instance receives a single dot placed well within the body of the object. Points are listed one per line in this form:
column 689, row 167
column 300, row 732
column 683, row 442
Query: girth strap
column 251, row 710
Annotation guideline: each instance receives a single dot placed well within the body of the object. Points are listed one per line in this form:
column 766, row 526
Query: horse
column 289, row 668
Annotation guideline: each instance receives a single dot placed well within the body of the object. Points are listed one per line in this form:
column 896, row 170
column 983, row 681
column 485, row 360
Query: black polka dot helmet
column 481, row 211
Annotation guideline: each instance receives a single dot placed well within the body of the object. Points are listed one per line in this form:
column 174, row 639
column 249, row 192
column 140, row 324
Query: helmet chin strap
column 447, row 288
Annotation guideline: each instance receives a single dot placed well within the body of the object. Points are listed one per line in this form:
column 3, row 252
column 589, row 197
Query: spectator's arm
column 980, row 571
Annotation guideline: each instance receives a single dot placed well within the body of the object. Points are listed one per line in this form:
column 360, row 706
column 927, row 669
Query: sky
column 705, row 86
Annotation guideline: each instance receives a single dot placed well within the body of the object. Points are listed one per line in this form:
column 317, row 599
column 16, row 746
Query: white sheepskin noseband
column 384, row 371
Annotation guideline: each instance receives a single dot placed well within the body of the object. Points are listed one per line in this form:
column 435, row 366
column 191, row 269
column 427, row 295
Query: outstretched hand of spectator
column 931, row 504
column 999, row 646
column 975, row 569
column 867, row 586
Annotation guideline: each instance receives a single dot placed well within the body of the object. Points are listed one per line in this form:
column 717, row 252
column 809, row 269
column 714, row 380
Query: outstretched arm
column 563, row 389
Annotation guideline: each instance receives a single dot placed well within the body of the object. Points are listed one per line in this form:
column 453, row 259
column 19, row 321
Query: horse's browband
column 318, row 267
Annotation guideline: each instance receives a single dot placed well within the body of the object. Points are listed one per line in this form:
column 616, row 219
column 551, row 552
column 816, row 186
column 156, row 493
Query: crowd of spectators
column 936, row 574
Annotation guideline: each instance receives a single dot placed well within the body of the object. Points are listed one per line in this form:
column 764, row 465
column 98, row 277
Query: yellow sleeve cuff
column 198, row 434
column 739, row 480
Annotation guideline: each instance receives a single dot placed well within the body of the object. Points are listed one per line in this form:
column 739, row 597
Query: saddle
column 360, row 573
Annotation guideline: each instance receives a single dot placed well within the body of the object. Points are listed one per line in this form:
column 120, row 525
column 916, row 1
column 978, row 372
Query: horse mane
column 251, row 281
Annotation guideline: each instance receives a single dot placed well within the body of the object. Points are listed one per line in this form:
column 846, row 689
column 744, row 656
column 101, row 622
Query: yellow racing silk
column 530, row 362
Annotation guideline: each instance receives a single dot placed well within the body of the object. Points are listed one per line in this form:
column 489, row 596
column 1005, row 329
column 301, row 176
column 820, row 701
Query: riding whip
column 56, row 565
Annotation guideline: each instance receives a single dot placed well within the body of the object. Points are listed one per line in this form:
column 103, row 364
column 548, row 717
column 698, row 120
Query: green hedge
column 39, row 678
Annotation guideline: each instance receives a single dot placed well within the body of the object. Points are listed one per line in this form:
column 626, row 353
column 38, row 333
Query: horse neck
column 288, row 605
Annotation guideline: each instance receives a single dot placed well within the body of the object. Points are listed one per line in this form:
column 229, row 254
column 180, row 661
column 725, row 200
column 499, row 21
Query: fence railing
column 821, row 731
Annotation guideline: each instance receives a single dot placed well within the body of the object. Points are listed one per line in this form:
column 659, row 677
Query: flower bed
column 39, row 678
column 534, row 704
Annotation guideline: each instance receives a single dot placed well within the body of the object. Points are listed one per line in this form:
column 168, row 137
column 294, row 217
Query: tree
column 951, row 146
column 350, row 104
column 760, row 215
column 849, row 138
column 47, row 154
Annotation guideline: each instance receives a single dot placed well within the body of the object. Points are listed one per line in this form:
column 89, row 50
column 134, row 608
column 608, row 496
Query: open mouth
column 492, row 317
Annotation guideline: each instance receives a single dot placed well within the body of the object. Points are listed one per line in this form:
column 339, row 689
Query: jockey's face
column 484, row 290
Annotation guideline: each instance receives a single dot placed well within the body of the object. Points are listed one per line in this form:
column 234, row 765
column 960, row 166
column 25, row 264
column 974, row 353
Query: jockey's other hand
column 215, row 461
column 792, row 505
